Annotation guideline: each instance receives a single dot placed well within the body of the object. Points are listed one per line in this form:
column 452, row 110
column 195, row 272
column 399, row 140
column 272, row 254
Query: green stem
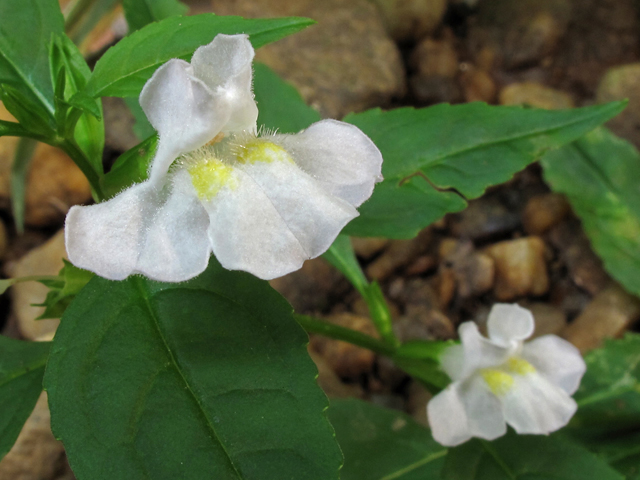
column 80, row 159
column 313, row 325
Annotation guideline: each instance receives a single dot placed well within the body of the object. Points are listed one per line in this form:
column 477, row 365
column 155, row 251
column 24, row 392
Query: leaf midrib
column 138, row 282
column 411, row 467
column 437, row 161
column 26, row 370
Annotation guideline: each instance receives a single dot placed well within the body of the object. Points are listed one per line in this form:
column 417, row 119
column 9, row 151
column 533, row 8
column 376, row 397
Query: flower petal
column 479, row 352
column 535, row 405
column 557, row 360
column 224, row 66
column 142, row 230
column 509, row 323
column 339, row 156
column 273, row 219
column 183, row 110
column 464, row 410
column 452, row 362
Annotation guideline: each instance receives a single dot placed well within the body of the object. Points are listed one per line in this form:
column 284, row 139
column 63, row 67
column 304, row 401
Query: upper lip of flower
column 275, row 216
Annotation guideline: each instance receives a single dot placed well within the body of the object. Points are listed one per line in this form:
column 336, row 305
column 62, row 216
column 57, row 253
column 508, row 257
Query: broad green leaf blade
column 25, row 33
column 281, row 106
column 13, row 129
column 19, row 170
column 609, row 394
column 205, row 379
column 130, row 167
column 600, row 174
column 525, row 457
column 125, row 68
column 142, row 12
column 463, row 147
column 21, row 370
column 381, row 444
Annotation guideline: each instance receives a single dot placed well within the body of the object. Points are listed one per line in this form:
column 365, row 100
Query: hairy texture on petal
column 273, row 220
column 224, row 66
column 479, row 352
column 183, row 110
column 509, row 323
column 535, row 405
column 160, row 234
column 464, row 410
column 339, row 156
column 557, row 360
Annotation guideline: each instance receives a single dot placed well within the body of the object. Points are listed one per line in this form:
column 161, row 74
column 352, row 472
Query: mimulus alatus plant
column 262, row 204
column 499, row 379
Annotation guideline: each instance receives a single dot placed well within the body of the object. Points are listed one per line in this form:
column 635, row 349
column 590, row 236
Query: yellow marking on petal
column 498, row 381
column 520, row 366
column 210, row 176
column 258, row 150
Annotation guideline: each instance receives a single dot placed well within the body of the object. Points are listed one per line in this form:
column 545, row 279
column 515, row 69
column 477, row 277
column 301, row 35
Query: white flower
column 498, row 380
column 260, row 204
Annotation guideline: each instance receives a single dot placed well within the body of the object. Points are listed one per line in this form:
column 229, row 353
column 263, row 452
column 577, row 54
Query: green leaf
column 600, row 174
column 25, row 33
column 130, row 167
column 71, row 280
column 208, row 378
column 124, row 69
column 609, row 394
column 88, row 130
column 381, row 444
column 525, row 457
column 465, row 147
column 19, row 170
column 142, row 12
column 31, row 115
column 21, row 370
column 142, row 127
column 281, row 106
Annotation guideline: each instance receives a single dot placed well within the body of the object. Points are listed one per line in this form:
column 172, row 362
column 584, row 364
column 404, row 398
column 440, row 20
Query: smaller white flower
column 500, row 380
column 260, row 204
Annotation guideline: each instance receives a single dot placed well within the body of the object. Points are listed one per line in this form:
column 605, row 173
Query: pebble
column 330, row 383
column 411, row 20
column 478, row 85
column 54, row 182
column 585, row 267
column 519, row 33
column 367, row 248
column 36, row 455
column 544, row 212
column 618, row 83
column 535, row 95
column 484, row 219
column 44, row 260
column 520, row 268
column 549, row 318
column 346, row 359
column 417, row 399
column 421, row 322
column 346, row 63
column 398, row 254
column 472, row 272
column 436, row 66
column 313, row 288
column 612, row 312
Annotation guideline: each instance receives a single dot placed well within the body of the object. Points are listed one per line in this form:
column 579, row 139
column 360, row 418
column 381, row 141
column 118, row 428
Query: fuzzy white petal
column 273, row 220
column 339, row 156
column 509, row 323
column 535, row 405
column 464, row 410
column 478, row 351
column 557, row 360
column 452, row 362
column 142, row 230
column 183, row 110
column 224, row 65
